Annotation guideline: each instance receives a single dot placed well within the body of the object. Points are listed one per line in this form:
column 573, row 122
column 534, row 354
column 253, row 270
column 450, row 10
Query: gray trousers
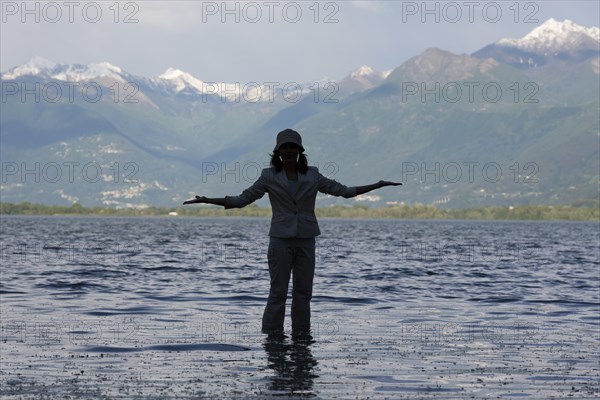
column 287, row 257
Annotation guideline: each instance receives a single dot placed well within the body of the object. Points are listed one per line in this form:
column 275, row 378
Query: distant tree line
column 418, row 211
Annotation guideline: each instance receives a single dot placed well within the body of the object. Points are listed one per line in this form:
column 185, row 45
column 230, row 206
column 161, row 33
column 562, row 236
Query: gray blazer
column 293, row 213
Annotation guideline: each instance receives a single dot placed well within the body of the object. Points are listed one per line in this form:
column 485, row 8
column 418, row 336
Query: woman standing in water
column 292, row 187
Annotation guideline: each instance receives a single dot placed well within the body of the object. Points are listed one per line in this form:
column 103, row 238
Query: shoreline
column 404, row 212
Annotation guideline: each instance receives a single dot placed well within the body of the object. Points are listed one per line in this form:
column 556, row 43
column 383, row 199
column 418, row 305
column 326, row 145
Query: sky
column 265, row 41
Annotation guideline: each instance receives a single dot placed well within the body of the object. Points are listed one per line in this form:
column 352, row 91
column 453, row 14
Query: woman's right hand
column 198, row 199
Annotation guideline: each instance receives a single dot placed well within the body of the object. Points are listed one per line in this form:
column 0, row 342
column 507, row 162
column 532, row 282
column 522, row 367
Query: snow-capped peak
column 78, row 72
column 35, row 66
column 38, row 62
column 365, row 70
column 553, row 35
column 182, row 79
column 367, row 74
column 64, row 72
column 174, row 73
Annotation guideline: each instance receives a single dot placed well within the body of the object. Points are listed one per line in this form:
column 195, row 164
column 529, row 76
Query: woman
column 292, row 186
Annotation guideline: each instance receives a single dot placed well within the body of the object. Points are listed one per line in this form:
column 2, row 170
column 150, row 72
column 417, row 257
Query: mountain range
column 516, row 122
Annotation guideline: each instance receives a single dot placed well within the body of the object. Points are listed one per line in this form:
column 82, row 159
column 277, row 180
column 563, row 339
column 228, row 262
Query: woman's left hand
column 388, row 183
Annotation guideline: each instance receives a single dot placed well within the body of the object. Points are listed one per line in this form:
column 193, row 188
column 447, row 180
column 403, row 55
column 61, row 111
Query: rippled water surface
column 171, row 308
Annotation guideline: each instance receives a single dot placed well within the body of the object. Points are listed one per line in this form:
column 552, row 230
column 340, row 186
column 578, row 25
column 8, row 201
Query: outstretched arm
column 335, row 188
column 380, row 184
column 253, row 193
column 219, row 201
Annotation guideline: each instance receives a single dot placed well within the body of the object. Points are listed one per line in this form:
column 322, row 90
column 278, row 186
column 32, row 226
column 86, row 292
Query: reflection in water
column 293, row 363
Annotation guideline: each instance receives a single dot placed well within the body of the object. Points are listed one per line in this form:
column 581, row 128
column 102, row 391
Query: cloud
column 171, row 17
column 366, row 5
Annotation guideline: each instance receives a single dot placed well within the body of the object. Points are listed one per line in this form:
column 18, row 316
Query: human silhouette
column 292, row 187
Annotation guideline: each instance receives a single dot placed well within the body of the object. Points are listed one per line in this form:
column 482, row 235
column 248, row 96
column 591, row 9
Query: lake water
column 171, row 308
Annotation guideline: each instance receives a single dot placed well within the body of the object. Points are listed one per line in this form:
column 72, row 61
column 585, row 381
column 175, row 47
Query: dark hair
column 278, row 164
